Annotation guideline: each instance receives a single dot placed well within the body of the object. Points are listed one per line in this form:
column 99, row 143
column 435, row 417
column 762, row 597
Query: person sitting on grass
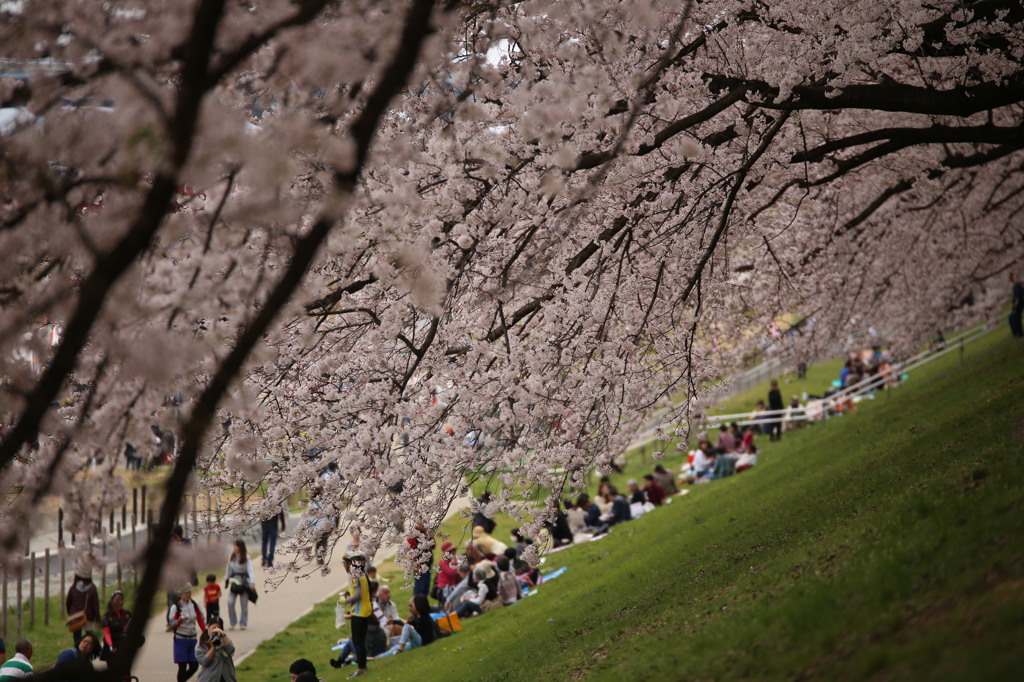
column 527, row 575
column 601, row 500
column 747, row 460
column 576, row 517
column 487, row 543
column 509, row 589
column 636, row 495
column 520, row 542
column 726, row 440
column 303, row 667
column 618, row 508
column 652, row 491
column 485, row 598
column 666, row 480
column 703, row 460
column 465, row 585
column 447, row 574
column 82, row 654
column 748, row 438
column 19, row 667
column 592, row 515
column 561, row 534
column 421, row 629
column 725, row 464
column 388, row 607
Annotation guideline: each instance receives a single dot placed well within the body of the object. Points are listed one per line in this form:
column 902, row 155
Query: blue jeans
column 347, row 649
column 467, row 609
column 232, row 598
column 269, row 543
column 422, row 583
column 410, row 639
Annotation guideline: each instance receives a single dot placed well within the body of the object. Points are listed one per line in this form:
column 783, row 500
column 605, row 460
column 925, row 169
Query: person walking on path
column 211, row 597
column 115, row 624
column 268, row 528
column 238, row 579
column 357, row 598
column 1016, row 306
column 775, row 404
column 214, row 653
column 186, row 621
column 19, row 667
column 83, row 597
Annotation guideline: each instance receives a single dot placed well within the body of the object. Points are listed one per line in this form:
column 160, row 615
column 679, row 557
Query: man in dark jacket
column 775, row 403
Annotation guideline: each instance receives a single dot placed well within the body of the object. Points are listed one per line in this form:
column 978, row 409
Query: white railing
column 820, row 408
column 854, row 391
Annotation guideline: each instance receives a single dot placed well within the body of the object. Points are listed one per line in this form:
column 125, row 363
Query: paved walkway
column 274, row 612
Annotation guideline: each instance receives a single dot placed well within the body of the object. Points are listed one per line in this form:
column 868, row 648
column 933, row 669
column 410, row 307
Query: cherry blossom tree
column 433, row 242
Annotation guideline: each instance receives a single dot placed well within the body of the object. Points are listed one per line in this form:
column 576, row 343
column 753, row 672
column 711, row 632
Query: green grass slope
column 886, row 544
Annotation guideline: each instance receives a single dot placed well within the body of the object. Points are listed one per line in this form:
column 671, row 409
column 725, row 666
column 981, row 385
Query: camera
column 215, row 640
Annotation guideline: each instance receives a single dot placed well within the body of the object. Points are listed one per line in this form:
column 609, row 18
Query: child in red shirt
column 211, row 595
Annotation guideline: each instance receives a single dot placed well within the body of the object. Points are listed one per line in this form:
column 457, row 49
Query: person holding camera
column 214, row 652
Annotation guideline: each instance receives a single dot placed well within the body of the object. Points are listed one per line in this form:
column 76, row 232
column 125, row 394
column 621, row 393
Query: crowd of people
column 488, row 574
column 198, row 644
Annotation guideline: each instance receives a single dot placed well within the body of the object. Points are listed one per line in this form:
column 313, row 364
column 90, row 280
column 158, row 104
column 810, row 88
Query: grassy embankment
column 885, row 544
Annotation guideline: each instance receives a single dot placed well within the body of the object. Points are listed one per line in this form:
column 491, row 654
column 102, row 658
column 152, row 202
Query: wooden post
column 5, row 603
column 143, row 502
column 46, row 586
column 32, row 591
column 135, row 505
column 63, row 591
column 135, row 568
column 21, row 630
column 60, row 527
column 124, row 515
column 118, row 560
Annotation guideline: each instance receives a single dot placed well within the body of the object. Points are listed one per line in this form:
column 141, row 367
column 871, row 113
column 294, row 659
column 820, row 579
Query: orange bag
column 76, row 621
column 450, row 623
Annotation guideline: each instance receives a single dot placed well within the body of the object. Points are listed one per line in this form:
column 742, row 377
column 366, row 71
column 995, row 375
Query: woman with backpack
column 238, row 580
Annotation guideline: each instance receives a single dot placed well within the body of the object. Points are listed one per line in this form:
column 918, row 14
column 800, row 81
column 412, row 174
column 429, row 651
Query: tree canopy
column 428, row 240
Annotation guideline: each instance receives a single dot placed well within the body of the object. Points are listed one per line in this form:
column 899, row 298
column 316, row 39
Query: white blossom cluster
column 567, row 215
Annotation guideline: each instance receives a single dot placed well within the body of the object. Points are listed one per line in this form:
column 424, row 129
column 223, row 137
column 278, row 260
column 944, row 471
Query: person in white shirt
column 18, row 668
column 702, row 462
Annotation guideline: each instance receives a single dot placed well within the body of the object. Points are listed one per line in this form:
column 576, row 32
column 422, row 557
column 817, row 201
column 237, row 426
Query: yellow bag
column 450, row 623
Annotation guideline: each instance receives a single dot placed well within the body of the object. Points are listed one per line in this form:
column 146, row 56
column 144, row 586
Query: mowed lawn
column 887, row 544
